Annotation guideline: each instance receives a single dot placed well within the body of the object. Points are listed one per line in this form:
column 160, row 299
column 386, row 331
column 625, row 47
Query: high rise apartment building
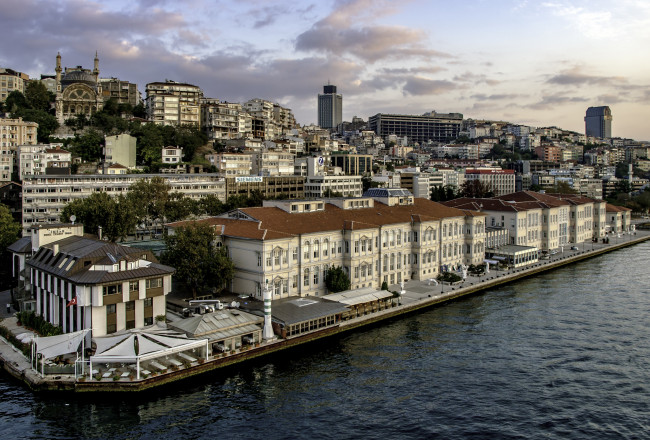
column 11, row 81
column 330, row 107
column 598, row 122
column 173, row 103
column 123, row 92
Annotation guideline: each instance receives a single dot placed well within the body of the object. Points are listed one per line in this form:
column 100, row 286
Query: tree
column 113, row 214
column 16, row 101
column 37, row 96
column 442, row 193
column 211, row 205
column 9, row 229
column 199, row 264
column 150, row 199
column 563, row 188
column 337, row 280
column 476, row 189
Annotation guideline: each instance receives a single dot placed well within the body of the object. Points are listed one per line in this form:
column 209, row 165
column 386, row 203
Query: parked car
column 574, row 248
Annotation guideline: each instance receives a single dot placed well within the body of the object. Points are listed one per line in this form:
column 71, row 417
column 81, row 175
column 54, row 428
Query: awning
column 149, row 346
column 493, row 261
column 52, row 346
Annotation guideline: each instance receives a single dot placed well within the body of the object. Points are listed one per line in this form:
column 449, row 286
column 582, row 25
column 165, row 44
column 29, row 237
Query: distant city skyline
column 533, row 63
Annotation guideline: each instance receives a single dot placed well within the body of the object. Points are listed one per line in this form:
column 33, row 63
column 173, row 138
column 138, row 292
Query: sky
column 539, row 63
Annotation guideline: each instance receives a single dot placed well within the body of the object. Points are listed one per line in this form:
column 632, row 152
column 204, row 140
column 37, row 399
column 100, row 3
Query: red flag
column 72, row 302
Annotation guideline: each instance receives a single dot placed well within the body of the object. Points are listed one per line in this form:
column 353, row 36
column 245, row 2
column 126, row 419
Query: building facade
column 598, row 122
column 386, row 236
column 11, row 81
column 330, row 107
column 437, row 127
column 78, row 91
column 499, row 181
column 173, row 103
column 83, row 283
column 44, row 197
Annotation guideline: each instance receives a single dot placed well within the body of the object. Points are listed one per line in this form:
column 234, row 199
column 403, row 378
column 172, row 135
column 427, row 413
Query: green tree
column 562, row 188
column 476, row 189
column 199, row 264
column 37, row 96
column 337, row 280
column 47, row 123
column 113, row 214
column 16, row 101
column 150, row 199
column 211, row 205
column 88, row 146
column 9, row 230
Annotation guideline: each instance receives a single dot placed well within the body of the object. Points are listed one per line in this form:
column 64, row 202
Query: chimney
column 99, row 232
column 55, row 249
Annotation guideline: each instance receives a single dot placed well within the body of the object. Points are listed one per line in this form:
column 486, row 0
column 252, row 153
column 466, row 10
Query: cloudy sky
column 533, row 62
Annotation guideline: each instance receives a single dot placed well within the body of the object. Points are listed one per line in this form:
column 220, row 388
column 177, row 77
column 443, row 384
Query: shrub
column 40, row 325
column 449, row 277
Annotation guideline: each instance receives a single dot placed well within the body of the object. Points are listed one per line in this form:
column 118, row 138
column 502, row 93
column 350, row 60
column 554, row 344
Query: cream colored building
column 272, row 163
column 173, row 103
column 231, row 164
column 79, row 283
column 11, row 81
column 35, row 159
column 44, row 197
column 545, row 221
column 120, row 149
column 13, row 133
column 321, row 186
column 386, row 235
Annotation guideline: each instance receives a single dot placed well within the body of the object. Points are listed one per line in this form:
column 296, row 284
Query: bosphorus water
column 565, row 354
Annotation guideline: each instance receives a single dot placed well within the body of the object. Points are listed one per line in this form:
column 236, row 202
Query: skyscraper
column 598, row 122
column 330, row 107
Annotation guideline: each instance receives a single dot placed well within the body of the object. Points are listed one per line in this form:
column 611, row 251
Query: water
column 563, row 355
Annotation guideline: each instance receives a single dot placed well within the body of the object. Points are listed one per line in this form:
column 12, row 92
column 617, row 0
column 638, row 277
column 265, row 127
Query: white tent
column 51, row 346
column 139, row 346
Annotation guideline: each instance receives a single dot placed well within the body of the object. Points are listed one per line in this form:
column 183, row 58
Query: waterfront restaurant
column 226, row 330
column 513, row 255
column 363, row 301
column 296, row 316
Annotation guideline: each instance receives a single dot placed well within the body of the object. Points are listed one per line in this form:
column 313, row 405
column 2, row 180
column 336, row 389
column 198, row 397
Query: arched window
column 316, row 249
column 306, row 250
column 306, row 278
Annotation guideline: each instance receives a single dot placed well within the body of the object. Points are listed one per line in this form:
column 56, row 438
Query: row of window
column 151, row 283
column 129, row 306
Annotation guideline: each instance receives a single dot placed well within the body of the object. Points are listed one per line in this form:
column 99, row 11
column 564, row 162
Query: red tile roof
column 274, row 223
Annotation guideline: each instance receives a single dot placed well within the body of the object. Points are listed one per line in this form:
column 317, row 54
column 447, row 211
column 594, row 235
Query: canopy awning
column 52, row 346
column 140, row 346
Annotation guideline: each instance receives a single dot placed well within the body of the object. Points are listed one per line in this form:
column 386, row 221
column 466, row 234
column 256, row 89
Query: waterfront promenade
column 417, row 295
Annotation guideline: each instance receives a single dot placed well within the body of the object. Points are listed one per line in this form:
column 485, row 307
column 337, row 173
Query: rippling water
column 563, row 355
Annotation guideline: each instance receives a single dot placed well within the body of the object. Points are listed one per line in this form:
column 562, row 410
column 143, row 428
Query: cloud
column 474, row 78
column 339, row 34
column 495, row 97
column 620, row 19
column 576, row 77
column 422, row 86
column 554, row 100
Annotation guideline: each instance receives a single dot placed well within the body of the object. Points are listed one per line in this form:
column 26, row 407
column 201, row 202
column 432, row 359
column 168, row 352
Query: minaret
column 58, row 71
column 267, row 333
column 96, row 68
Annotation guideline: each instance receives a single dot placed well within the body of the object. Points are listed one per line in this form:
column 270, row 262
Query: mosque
column 78, row 91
